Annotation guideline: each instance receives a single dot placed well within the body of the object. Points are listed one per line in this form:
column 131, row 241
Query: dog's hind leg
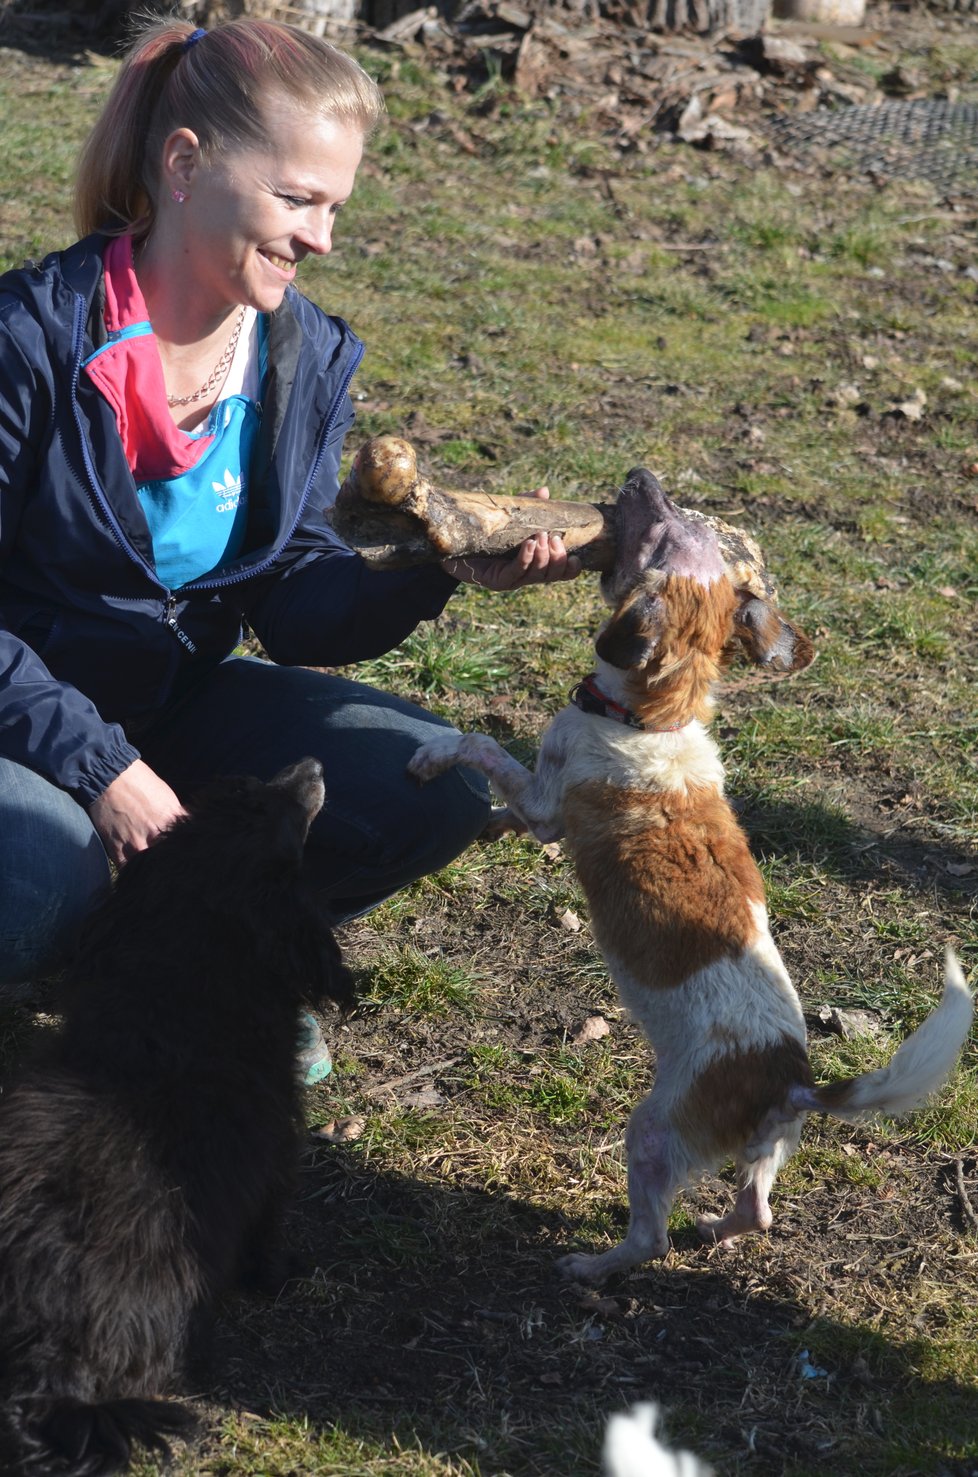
column 658, row 1166
column 751, row 1211
column 266, row 1262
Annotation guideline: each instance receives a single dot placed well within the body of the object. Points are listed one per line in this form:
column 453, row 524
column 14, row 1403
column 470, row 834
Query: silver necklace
column 218, row 373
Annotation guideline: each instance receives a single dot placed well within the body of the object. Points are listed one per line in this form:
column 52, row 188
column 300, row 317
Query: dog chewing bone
column 395, row 518
column 631, row 780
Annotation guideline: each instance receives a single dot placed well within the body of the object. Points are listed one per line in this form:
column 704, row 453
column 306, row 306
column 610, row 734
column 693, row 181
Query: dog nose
column 306, row 771
column 642, row 487
column 653, row 533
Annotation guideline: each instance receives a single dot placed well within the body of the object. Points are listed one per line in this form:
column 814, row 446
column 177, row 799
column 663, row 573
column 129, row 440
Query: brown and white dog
column 630, row 779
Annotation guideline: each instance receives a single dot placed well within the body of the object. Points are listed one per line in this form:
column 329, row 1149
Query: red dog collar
column 588, row 696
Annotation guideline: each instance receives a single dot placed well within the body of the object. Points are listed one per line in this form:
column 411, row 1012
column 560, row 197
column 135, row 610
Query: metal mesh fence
column 928, row 138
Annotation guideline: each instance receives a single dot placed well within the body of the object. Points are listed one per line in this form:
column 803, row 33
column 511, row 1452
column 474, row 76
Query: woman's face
column 252, row 215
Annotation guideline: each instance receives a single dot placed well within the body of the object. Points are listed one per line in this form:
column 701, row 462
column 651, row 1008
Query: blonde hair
column 219, row 86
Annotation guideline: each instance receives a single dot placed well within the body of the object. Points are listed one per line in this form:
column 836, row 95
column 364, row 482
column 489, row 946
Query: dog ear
column 768, row 637
column 631, row 635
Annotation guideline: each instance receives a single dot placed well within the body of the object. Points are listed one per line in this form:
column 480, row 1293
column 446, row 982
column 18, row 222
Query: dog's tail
column 920, row 1066
column 56, row 1436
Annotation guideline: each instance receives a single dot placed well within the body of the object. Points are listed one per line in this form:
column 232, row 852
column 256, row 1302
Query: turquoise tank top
column 197, row 520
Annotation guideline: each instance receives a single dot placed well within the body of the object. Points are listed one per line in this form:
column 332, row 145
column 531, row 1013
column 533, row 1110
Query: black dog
column 147, row 1158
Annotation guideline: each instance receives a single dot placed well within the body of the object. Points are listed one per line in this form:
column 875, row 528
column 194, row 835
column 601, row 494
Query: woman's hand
column 540, row 560
column 133, row 811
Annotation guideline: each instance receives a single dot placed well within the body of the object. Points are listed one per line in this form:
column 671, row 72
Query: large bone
column 394, row 518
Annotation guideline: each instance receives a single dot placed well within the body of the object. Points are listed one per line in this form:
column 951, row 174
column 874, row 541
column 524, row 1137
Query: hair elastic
column 193, row 38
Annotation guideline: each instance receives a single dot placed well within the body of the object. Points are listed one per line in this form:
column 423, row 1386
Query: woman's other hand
column 133, row 811
column 540, row 559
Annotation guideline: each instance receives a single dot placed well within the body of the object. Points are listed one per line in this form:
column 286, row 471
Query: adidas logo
column 229, row 493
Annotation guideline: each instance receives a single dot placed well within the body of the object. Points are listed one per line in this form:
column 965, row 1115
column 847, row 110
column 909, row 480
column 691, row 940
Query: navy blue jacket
column 92, row 644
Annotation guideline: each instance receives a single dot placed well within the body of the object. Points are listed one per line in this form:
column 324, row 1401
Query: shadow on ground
column 880, row 850
column 432, row 1314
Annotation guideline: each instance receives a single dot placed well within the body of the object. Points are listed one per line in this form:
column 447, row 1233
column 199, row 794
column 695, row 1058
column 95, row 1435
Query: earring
column 179, row 196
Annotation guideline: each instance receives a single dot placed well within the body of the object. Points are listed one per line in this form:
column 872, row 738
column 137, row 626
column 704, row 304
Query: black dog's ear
column 633, row 632
column 769, row 638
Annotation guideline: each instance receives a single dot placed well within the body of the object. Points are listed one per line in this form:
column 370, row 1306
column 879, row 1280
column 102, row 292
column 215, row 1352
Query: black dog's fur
column 146, row 1158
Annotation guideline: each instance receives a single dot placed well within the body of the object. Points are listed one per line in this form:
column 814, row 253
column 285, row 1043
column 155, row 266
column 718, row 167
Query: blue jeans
column 378, row 830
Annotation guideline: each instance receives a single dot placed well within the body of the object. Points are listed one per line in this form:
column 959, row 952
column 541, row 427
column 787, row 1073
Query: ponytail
column 217, row 83
column 111, row 190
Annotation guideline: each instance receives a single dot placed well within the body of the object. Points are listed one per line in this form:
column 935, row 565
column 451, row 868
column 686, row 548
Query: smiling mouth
column 283, row 263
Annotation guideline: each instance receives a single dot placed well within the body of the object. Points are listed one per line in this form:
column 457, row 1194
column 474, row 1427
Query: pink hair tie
column 193, row 38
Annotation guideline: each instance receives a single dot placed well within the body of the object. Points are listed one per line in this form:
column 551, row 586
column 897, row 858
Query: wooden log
column 393, row 516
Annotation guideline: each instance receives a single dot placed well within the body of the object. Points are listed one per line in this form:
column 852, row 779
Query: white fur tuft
column 920, row 1066
column 632, row 1450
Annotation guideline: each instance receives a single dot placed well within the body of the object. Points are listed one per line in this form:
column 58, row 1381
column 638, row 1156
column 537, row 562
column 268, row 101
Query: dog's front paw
column 503, row 822
column 434, row 757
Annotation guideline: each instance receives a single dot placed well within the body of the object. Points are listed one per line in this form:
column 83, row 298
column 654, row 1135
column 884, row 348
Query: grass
column 437, row 660
column 539, row 329
column 406, row 980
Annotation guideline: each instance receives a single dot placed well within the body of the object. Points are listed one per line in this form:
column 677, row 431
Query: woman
column 172, row 413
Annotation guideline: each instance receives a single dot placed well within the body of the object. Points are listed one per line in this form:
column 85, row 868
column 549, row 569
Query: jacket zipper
column 171, row 622
column 79, row 333
column 170, row 599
